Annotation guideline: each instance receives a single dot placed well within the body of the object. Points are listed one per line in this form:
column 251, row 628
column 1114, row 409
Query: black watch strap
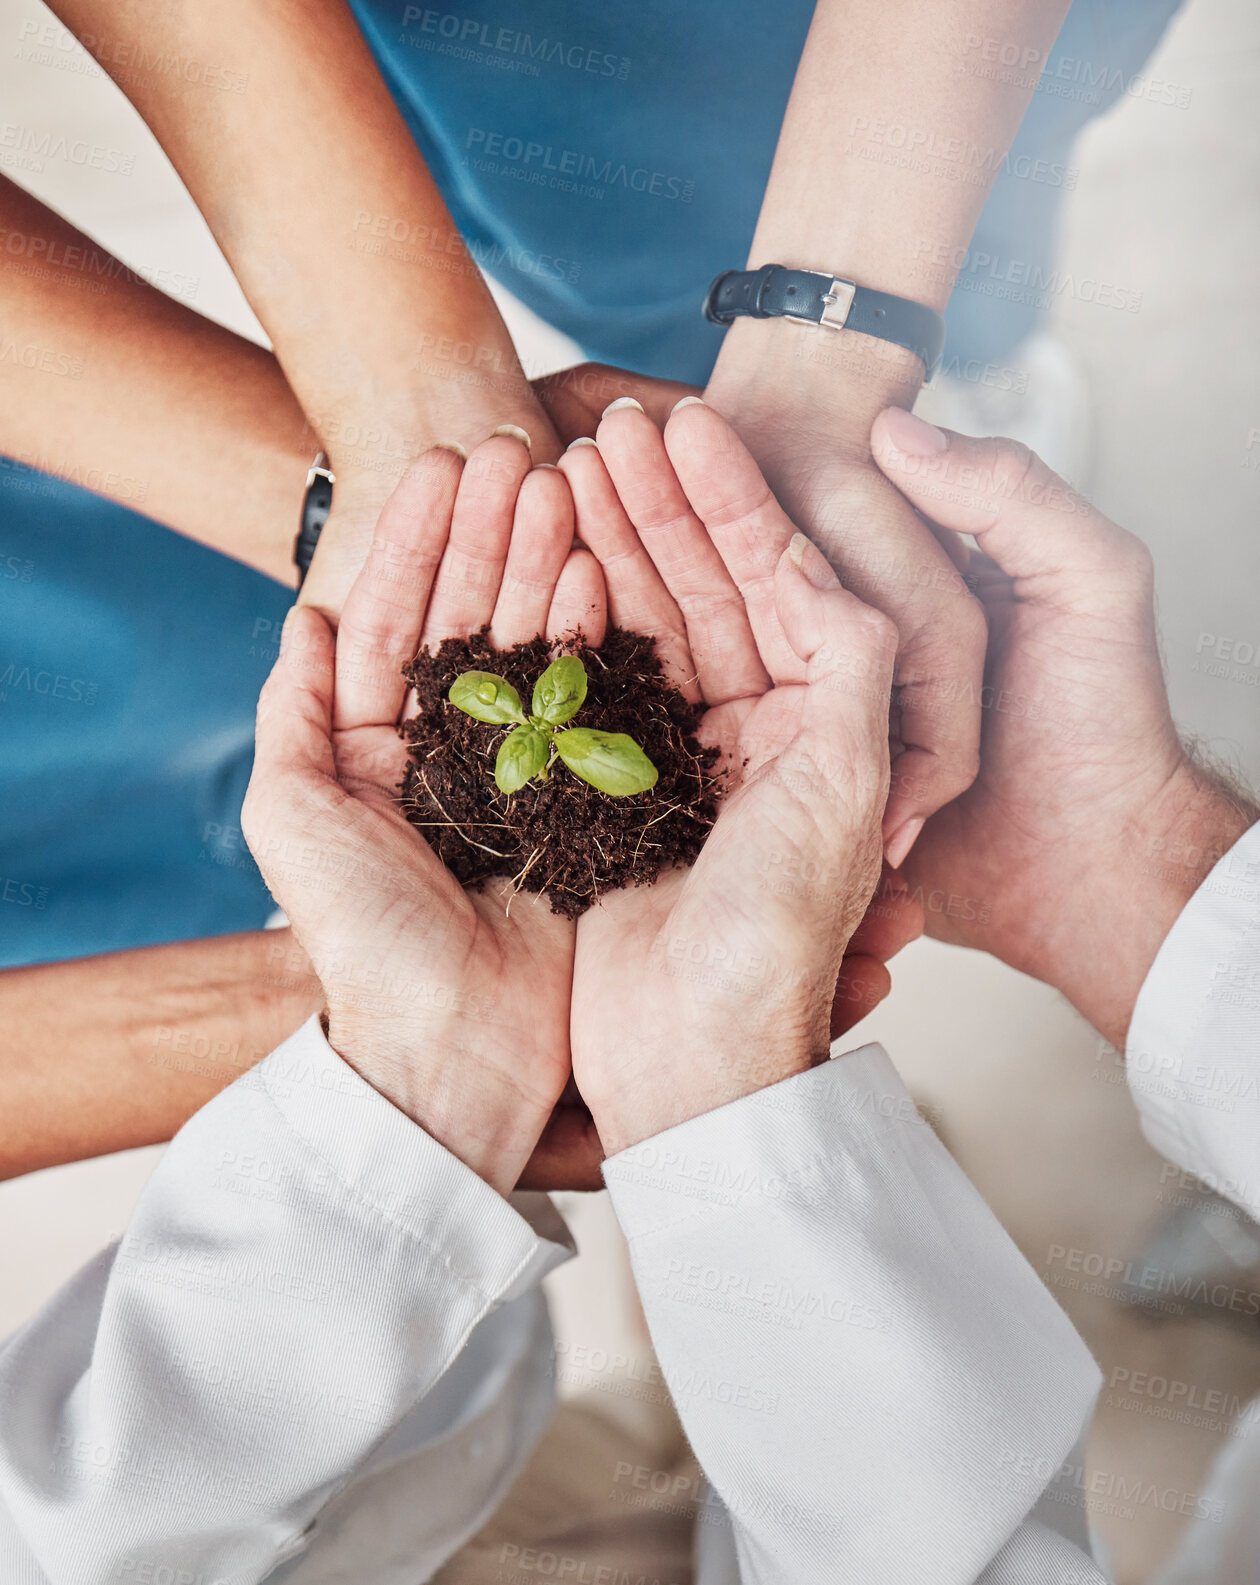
column 316, row 505
column 776, row 292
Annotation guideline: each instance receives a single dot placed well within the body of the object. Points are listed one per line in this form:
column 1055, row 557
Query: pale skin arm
column 292, row 175
column 116, row 386
column 877, row 80
column 112, row 1052
column 803, row 397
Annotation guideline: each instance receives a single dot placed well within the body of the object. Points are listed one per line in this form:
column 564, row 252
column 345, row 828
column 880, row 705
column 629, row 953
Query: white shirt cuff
column 1193, row 1051
column 391, row 1165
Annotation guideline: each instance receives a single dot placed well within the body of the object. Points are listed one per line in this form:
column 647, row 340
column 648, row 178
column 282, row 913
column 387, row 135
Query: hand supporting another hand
column 719, row 980
column 815, row 455
column 458, row 1011
column 1089, row 827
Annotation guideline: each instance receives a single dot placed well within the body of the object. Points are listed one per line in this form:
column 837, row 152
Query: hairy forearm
column 1100, row 958
column 305, row 178
column 108, row 1053
column 111, row 384
column 891, row 141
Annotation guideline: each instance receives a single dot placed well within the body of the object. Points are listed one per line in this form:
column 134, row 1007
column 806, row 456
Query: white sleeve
column 299, row 1282
column 874, row 1380
column 1193, row 1064
column 1193, row 1052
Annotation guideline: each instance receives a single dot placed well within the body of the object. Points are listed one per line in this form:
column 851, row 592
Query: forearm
column 1101, row 955
column 110, row 383
column 305, row 178
column 112, row 1052
column 886, row 156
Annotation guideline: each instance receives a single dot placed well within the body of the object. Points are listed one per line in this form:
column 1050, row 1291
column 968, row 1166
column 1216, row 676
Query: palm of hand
column 746, row 940
column 894, row 561
column 662, row 967
column 423, row 980
column 427, row 939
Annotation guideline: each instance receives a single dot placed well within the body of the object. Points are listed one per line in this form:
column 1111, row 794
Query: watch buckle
column 837, row 302
column 319, row 469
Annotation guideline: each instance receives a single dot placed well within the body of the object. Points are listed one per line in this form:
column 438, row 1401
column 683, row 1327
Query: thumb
column 1033, row 524
column 839, row 752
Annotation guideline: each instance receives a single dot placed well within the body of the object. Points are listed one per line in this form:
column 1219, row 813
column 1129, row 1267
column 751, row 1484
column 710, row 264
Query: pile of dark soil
column 560, row 837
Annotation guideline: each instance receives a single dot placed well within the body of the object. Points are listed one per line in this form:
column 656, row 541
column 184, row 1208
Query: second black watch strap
column 316, row 505
column 777, row 292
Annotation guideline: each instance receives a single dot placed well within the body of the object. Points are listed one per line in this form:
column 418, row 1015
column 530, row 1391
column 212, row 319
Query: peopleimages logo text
column 571, row 163
column 472, row 34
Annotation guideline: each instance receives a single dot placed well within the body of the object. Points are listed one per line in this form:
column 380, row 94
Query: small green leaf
column 522, row 755
column 559, row 692
column 611, row 761
column 486, row 697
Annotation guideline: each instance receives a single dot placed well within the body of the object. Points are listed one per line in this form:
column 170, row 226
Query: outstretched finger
column 467, row 583
column 382, row 618
column 580, row 603
column 542, row 536
column 836, row 764
column 576, row 398
column 728, row 661
column 638, row 601
column 293, row 727
column 293, row 754
column 743, row 520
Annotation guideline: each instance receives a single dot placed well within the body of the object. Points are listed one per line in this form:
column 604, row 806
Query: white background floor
column 1166, row 205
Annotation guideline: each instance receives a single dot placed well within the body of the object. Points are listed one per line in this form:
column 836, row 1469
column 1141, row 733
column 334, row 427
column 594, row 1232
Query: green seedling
column 611, row 761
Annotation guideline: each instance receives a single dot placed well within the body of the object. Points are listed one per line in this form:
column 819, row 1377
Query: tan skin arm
column 112, row 1052
column 285, row 173
column 112, row 384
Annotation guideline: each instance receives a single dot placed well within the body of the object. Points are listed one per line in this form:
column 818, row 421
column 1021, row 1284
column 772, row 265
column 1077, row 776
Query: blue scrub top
column 604, row 163
column 130, row 662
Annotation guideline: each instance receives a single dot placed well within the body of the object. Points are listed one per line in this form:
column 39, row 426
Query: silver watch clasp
column 837, row 302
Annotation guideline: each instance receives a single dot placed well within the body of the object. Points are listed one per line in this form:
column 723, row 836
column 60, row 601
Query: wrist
column 1166, row 854
column 774, row 375
column 279, row 975
column 368, row 460
column 639, row 1110
column 436, row 1081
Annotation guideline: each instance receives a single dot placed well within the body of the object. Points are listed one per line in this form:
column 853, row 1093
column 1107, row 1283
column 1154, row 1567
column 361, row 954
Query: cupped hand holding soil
column 560, row 836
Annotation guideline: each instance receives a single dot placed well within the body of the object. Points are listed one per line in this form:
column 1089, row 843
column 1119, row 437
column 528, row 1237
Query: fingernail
column 515, row 432
column 550, row 465
column 687, row 401
column 898, row 846
column 915, row 436
column 582, row 440
column 452, row 446
column 622, row 403
column 811, row 561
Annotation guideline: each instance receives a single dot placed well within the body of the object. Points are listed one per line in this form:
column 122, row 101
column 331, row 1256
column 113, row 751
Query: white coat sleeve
column 1193, row 1064
column 1193, row 1050
column 874, row 1380
column 298, row 1283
